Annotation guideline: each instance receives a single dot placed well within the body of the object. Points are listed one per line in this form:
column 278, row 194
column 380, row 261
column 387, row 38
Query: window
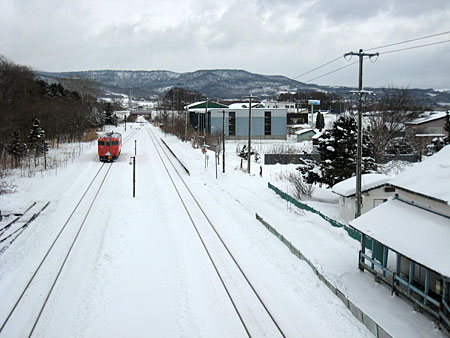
column 435, row 130
column 389, row 189
column 101, row 143
column 267, row 123
column 377, row 202
column 115, row 143
column 108, row 143
column 232, row 124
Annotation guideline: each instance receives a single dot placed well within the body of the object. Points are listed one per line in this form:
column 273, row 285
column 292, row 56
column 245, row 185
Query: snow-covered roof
column 304, row 131
column 428, row 116
column 318, row 134
column 347, row 187
column 430, row 177
column 202, row 105
column 296, row 126
column 242, row 105
column 429, row 135
column 412, row 231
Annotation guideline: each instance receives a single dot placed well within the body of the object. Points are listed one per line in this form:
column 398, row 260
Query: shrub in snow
column 301, row 188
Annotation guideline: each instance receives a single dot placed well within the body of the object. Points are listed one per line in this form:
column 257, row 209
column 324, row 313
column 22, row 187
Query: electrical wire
column 381, row 53
column 380, row 47
column 414, row 47
column 406, row 41
column 325, row 64
column 333, row 71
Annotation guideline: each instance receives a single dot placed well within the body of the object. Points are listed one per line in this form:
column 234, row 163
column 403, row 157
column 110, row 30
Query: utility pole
column 249, row 133
column 173, row 132
column 223, row 140
column 204, row 118
column 361, row 56
column 134, row 174
column 185, row 126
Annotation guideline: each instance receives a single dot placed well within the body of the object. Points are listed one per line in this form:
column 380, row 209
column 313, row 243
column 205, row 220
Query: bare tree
column 395, row 107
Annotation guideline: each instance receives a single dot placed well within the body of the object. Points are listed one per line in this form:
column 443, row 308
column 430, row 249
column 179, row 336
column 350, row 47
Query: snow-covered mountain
column 215, row 83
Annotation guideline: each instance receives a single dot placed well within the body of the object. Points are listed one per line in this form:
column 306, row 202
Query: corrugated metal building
column 267, row 123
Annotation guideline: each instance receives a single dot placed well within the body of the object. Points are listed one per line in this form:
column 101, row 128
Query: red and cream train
column 109, row 146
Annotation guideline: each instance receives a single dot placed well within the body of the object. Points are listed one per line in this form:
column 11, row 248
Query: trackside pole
column 134, row 174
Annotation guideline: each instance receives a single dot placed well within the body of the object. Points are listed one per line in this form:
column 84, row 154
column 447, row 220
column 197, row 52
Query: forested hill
column 218, row 83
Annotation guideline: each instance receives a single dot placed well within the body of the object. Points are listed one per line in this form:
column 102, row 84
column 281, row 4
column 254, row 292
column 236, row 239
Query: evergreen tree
column 110, row 117
column 16, row 148
column 310, row 171
column 447, row 129
column 320, row 121
column 36, row 139
column 337, row 148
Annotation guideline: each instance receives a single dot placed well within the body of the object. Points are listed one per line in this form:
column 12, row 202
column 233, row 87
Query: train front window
column 101, row 143
column 115, row 143
column 108, row 144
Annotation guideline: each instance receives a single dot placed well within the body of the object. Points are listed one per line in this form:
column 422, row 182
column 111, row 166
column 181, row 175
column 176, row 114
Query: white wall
column 370, row 199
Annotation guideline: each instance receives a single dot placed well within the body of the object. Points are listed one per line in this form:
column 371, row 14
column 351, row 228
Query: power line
column 414, row 47
column 333, row 71
column 380, row 47
column 325, row 64
column 388, row 52
column 406, row 41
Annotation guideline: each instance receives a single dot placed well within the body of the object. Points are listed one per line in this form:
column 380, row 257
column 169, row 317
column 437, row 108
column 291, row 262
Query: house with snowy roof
column 373, row 192
column 428, row 123
column 412, row 232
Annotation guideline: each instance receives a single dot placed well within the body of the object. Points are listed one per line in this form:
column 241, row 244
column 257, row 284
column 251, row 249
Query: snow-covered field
column 138, row 268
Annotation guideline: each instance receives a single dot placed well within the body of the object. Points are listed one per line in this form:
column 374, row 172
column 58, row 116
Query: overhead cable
column 380, row 47
column 325, row 64
column 381, row 53
column 333, row 71
column 406, row 41
column 414, row 47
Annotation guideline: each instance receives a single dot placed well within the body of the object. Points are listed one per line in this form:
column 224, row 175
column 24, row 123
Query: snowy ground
column 139, row 270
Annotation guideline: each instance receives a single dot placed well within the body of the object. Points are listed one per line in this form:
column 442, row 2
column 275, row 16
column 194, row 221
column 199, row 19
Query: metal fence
column 296, row 158
column 289, row 158
column 371, row 325
column 356, row 235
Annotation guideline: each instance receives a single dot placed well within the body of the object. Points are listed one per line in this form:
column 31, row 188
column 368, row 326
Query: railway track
column 26, row 311
column 12, row 230
column 251, row 310
column 30, row 304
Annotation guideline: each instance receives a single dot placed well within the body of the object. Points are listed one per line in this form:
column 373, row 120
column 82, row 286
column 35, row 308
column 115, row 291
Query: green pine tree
column 337, row 150
column 320, row 121
column 36, row 139
column 16, row 148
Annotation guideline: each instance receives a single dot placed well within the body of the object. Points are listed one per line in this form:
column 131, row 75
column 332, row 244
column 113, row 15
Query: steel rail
column 203, row 243
column 49, row 250
column 56, row 239
column 68, row 252
column 221, row 240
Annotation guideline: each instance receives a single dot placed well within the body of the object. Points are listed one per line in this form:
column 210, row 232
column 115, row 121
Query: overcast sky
column 272, row 37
